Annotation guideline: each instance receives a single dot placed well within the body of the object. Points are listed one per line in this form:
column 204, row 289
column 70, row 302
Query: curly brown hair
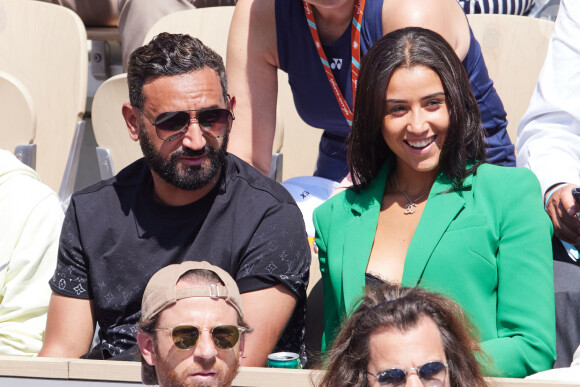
column 389, row 305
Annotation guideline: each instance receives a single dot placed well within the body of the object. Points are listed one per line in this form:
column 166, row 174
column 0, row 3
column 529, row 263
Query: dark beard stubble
column 188, row 178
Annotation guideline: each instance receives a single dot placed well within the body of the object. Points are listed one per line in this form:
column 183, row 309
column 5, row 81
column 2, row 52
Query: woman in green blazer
column 426, row 211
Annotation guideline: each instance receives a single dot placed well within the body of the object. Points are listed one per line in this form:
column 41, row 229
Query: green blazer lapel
column 359, row 237
column 438, row 214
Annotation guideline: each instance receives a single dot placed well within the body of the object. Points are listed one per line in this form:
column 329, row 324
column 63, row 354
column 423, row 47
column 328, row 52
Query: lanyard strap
column 355, row 54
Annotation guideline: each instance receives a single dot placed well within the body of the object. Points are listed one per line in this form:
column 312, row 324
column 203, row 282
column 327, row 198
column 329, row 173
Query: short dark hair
column 391, row 306
column 407, row 48
column 170, row 54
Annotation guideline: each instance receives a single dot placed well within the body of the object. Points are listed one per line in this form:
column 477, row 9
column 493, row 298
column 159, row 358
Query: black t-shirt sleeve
column 71, row 275
column 278, row 252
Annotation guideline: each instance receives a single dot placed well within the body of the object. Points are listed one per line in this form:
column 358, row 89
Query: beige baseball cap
column 162, row 292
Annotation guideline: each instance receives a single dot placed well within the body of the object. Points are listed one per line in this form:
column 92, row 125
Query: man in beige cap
column 192, row 328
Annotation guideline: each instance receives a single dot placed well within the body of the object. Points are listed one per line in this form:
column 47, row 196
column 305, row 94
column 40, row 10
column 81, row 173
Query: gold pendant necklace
column 411, row 203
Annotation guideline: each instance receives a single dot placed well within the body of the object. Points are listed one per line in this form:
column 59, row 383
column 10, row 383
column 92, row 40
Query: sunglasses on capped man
column 223, row 336
column 171, row 126
column 432, row 374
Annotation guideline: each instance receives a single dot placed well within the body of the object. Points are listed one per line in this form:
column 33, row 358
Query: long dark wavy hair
column 400, row 308
column 407, row 48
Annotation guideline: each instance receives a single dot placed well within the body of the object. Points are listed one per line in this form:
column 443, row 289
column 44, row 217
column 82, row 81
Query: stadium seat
column 45, row 47
column 514, row 49
column 115, row 149
column 18, row 119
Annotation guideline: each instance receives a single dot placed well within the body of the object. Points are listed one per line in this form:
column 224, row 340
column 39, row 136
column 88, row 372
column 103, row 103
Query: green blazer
column 486, row 245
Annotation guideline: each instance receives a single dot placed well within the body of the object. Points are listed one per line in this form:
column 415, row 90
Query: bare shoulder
column 251, row 64
column 253, row 28
column 442, row 16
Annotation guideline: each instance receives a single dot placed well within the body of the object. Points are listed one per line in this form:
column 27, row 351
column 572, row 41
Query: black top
column 116, row 236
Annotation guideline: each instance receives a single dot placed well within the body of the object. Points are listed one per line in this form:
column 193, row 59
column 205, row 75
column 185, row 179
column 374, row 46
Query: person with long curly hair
column 405, row 333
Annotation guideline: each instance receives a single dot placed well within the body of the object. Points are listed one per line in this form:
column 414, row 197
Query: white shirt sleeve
column 30, row 222
column 549, row 132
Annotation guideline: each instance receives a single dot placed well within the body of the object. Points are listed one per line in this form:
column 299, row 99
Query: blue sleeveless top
column 316, row 103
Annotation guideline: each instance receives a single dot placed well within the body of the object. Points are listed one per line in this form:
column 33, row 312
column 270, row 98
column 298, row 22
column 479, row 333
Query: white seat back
column 18, row 114
column 116, row 149
column 514, row 49
column 210, row 25
column 45, row 47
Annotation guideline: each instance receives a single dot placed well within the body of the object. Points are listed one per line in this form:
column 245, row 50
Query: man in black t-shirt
column 187, row 199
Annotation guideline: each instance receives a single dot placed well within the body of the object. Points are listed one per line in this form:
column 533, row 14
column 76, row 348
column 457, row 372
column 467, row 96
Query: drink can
column 284, row 360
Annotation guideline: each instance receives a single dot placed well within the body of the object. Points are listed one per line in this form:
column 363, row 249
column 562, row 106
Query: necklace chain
column 411, row 203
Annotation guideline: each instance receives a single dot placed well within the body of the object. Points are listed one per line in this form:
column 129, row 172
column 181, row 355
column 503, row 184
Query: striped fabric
column 510, row 7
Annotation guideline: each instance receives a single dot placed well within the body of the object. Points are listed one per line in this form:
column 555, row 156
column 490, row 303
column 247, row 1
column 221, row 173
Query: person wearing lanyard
column 268, row 35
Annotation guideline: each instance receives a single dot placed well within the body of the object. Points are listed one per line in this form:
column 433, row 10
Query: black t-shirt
column 115, row 237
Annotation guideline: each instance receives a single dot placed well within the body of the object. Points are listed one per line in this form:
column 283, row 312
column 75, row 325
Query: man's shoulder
column 249, row 181
column 128, row 178
column 107, row 195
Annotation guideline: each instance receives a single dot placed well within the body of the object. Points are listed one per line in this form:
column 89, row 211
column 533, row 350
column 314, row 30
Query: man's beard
column 168, row 377
column 187, row 178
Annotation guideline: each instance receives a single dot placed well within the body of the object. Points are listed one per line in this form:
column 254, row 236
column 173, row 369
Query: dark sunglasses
column 432, row 374
column 186, row 336
column 171, row 126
